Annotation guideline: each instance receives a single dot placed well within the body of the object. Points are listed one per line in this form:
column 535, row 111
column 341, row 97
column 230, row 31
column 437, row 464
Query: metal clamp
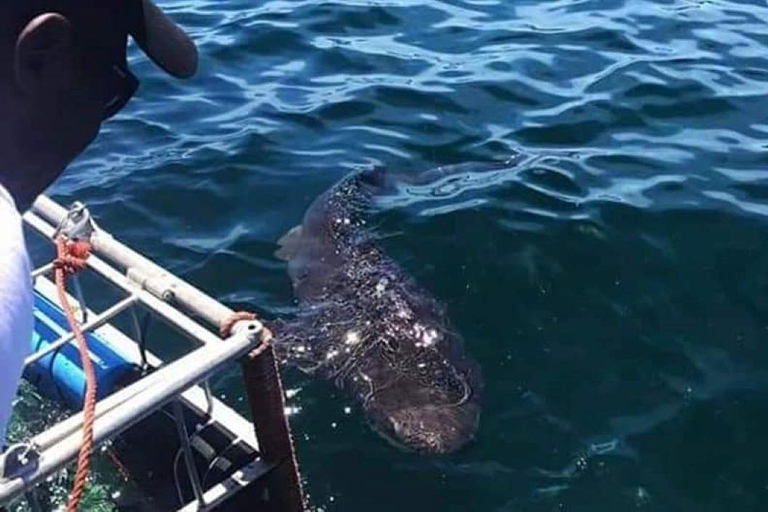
column 18, row 460
column 77, row 224
column 161, row 285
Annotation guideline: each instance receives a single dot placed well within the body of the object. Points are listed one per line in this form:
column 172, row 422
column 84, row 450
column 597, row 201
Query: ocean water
column 615, row 290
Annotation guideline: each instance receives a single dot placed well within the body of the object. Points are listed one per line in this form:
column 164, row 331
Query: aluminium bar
column 156, row 279
column 173, row 371
column 196, row 398
column 41, row 271
column 184, row 324
column 198, row 366
column 80, row 298
column 148, row 295
column 239, row 480
column 189, row 456
column 140, row 340
column 165, row 311
column 93, row 323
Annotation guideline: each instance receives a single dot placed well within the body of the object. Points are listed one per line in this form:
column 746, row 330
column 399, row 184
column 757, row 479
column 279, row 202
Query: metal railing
column 169, row 299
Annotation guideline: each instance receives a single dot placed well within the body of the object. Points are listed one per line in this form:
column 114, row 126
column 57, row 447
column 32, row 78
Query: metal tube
column 178, row 320
column 181, row 322
column 142, row 343
column 189, row 460
column 208, row 395
column 153, row 286
column 172, row 372
column 94, row 323
column 80, row 298
column 42, row 270
column 195, row 397
column 208, row 360
column 156, row 278
column 239, row 480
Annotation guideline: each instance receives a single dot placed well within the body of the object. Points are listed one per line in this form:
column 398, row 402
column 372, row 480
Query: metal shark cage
column 255, row 462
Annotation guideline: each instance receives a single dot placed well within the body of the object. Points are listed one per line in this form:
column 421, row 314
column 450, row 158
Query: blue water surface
column 615, row 290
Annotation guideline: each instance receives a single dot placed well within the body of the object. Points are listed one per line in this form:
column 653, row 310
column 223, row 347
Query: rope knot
column 71, row 256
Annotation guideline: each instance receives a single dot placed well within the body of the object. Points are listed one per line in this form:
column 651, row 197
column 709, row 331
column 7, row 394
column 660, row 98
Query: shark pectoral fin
column 289, row 244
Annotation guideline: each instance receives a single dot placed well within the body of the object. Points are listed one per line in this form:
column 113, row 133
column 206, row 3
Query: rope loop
column 225, row 330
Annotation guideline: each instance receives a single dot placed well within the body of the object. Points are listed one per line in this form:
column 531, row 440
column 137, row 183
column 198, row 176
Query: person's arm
column 16, row 318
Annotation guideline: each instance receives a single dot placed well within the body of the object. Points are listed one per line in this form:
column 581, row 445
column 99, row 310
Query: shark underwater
column 369, row 327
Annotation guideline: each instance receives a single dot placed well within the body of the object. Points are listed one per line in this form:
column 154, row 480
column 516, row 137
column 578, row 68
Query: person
column 63, row 71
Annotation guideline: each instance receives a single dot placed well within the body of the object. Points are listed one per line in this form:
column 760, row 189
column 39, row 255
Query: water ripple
column 592, row 283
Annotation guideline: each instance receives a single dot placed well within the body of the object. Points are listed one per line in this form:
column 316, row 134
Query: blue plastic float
column 59, row 375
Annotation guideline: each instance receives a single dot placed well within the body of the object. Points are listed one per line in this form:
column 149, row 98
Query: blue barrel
column 59, row 375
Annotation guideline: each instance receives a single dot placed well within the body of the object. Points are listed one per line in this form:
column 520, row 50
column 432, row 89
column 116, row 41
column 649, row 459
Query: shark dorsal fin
column 289, row 244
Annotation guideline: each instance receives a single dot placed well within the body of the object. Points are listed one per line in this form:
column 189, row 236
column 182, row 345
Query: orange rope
column 71, row 258
column 225, row 329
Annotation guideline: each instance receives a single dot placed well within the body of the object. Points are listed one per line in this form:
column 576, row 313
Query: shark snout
column 435, row 429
